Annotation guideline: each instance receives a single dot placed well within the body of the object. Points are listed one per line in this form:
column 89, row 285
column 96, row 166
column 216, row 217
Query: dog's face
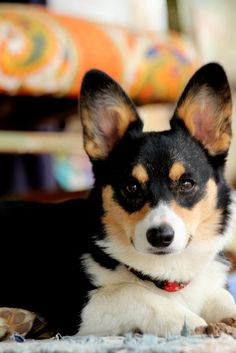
column 160, row 191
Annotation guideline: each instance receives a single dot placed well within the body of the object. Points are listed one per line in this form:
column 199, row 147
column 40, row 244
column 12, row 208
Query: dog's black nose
column 161, row 236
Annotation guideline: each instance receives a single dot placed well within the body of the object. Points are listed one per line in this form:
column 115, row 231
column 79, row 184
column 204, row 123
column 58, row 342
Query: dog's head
column 160, row 192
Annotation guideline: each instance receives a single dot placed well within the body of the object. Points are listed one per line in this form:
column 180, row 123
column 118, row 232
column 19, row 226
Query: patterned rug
column 127, row 344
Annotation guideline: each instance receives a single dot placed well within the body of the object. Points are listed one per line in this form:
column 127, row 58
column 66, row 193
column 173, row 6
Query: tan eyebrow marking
column 140, row 173
column 176, row 171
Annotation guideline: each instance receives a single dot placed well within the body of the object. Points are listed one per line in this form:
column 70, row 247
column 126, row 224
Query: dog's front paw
column 192, row 321
column 15, row 320
column 174, row 325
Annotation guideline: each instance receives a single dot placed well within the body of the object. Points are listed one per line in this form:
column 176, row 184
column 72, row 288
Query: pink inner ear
column 203, row 121
column 108, row 125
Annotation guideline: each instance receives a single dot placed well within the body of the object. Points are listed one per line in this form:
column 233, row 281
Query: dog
column 144, row 251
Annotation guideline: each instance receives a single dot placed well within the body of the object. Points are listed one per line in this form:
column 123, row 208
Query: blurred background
column 151, row 47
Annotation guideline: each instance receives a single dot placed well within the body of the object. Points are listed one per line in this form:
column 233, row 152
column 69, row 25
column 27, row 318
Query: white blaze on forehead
column 157, row 216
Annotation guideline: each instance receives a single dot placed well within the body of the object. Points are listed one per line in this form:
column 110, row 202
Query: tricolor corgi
column 144, row 251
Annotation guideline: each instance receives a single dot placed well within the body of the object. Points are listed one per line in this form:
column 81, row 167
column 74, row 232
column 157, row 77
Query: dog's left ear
column 205, row 107
column 107, row 113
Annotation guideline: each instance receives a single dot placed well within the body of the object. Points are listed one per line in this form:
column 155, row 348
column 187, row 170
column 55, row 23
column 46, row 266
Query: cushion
column 47, row 53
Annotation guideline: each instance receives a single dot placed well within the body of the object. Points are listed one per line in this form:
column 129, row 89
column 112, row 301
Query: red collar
column 166, row 285
column 173, row 286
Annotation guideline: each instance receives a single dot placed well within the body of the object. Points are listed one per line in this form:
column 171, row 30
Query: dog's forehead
column 160, row 150
column 168, row 154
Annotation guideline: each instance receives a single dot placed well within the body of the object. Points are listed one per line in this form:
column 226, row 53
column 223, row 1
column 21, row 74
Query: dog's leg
column 130, row 307
column 15, row 320
column 219, row 306
column 219, row 311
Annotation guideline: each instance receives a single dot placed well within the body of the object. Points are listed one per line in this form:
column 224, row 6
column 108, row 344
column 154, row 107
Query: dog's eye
column 131, row 189
column 186, row 185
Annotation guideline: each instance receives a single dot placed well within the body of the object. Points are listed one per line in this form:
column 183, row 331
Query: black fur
column 41, row 271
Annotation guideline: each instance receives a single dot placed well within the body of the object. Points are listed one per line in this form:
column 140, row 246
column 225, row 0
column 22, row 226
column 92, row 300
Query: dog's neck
column 108, row 262
column 169, row 286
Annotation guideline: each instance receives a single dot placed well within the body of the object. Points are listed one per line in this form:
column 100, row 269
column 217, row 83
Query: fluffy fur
column 160, row 209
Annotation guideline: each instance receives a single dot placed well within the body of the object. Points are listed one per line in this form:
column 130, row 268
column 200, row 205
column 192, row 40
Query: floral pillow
column 46, row 53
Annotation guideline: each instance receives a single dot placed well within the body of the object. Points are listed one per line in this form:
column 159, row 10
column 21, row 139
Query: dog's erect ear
column 106, row 114
column 205, row 108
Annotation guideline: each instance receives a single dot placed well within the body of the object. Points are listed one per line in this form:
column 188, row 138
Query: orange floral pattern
column 47, row 53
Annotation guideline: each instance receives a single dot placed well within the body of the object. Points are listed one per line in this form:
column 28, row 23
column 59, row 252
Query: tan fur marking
column 202, row 221
column 222, row 144
column 88, row 124
column 119, row 223
column 222, row 134
column 89, row 145
column 140, row 173
column 185, row 112
column 125, row 115
column 85, row 116
column 92, row 149
column 176, row 171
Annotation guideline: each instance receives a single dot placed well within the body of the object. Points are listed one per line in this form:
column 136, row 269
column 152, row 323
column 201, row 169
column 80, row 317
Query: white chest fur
column 124, row 303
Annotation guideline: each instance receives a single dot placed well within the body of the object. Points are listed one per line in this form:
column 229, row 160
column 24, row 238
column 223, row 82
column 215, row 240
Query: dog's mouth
column 160, row 252
column 153, row 251
column 170, row 251
column 165, row 251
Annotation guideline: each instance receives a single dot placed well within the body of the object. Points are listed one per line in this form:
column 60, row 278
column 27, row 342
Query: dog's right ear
column 107, row 113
